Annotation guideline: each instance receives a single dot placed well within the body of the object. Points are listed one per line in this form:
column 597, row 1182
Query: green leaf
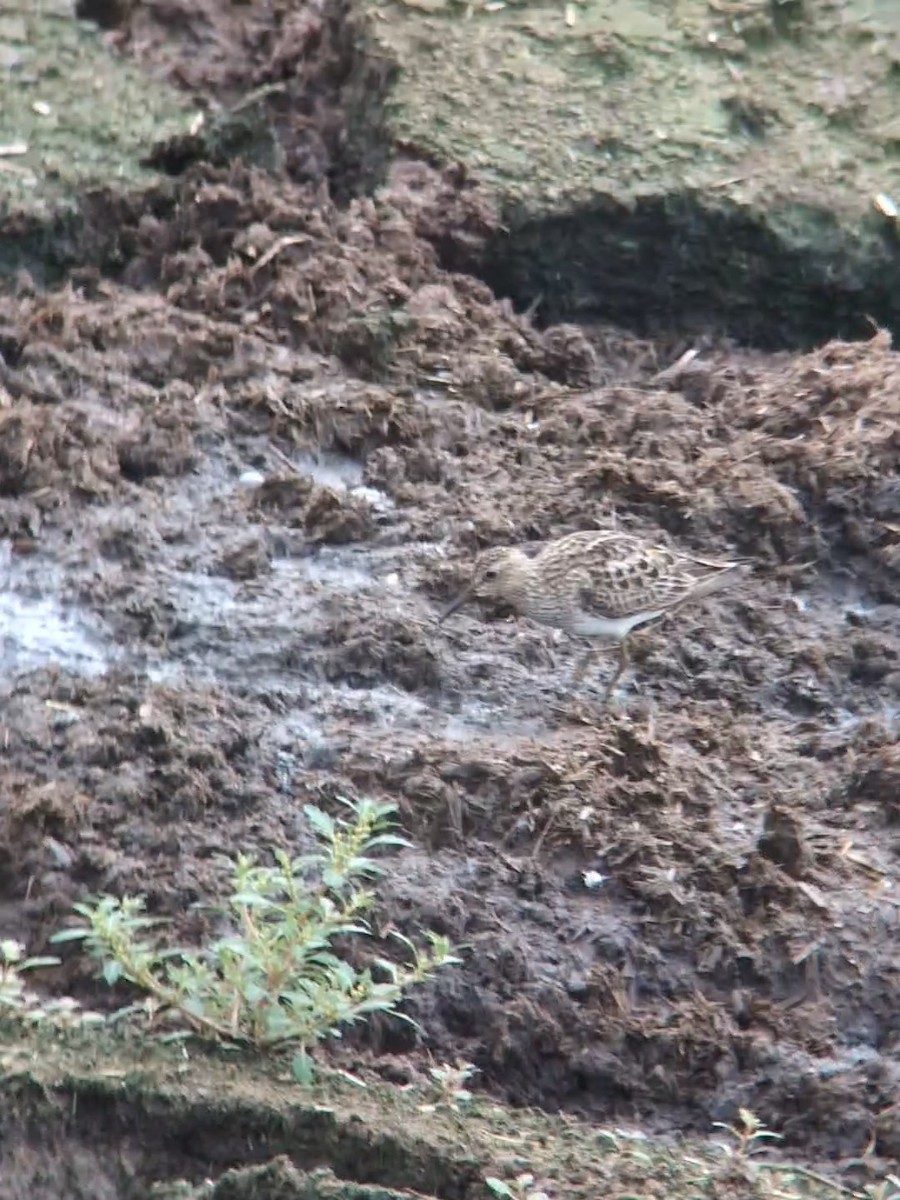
column 387, row 839
column 254, row 993
column 232, row 945
column 71, row 935
column 321, row 822
column 499, row 1188
column 302, row 1068
column 251, row 900
column 112, row 971
column 378, row 1004
column 129, row 1010
column 30, row 963
column 358, row 807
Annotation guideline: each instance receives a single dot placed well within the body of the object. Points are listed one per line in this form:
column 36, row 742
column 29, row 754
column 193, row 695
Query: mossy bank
column 694, row 165
column 77, row 120
column 87, row 1114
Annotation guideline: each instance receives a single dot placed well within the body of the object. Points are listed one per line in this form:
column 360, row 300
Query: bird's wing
column 620, row 576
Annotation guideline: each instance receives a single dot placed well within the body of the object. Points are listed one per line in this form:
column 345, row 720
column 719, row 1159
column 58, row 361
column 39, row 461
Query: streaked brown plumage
column 595, row 585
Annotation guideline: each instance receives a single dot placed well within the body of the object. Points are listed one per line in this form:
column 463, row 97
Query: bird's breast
column 609, row 629
column 563, row 612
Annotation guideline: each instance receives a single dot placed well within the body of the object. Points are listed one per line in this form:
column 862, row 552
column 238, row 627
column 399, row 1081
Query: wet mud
column 239, row 483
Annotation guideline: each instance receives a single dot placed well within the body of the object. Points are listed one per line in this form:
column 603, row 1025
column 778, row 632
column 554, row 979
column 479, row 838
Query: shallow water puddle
column 341, row 474
column 325, row 567
column 38, row 632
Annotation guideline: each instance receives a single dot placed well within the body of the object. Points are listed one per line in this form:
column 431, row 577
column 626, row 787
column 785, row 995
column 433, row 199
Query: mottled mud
column 238, row 486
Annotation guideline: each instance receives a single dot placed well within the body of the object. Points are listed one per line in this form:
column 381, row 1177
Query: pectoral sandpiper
column 599, row 586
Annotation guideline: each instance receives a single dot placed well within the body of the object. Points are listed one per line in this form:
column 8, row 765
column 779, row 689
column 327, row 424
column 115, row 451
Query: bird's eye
column 491, row 573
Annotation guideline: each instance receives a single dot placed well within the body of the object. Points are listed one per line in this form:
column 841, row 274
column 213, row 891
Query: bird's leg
column 584, row 662
column 624, row 660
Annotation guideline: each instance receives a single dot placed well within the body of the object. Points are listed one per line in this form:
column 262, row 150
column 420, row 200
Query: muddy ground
column 238, row 481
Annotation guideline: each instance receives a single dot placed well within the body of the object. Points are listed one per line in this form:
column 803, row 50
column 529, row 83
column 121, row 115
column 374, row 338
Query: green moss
column 84, row 117
column 195, row 1123
column 671, row 140
column 633, row 95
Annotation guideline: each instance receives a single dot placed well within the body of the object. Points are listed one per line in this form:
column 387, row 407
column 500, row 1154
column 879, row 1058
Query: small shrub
column 749, row 1133
column 523, row 1187
column 18, row 1001
column 274, row 978
column 447, row 1086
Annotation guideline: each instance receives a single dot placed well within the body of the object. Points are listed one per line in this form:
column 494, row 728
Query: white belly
column 610, row 629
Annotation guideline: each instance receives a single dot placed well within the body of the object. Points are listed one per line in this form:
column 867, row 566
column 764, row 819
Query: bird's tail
column 718, row 575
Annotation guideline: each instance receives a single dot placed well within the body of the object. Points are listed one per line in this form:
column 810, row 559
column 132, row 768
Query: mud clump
column 323, row 514
column 367, row 652
column 35, row 450
column 876, row 780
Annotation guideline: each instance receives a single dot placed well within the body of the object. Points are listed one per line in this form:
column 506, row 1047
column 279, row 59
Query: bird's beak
column 455, row 604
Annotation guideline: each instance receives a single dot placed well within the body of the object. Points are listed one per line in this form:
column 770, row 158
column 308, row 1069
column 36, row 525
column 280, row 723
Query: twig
column 675, row 369
column 299, row 239
column 806, row 1173
column 283, row 458
column 536, row 848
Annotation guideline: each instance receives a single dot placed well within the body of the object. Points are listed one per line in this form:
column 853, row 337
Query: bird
column 598, row 585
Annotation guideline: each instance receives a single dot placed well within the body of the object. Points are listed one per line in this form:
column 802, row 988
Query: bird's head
column 498, row 574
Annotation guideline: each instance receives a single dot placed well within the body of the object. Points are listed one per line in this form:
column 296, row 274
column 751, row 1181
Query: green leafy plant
column 520, row 1188
column 274, row 978
column 447, row 1086
column 748, row 1132
column 14, row 995
column 20, row 1002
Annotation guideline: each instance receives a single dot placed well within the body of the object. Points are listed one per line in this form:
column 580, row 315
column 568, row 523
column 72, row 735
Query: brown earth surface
column 237, row 483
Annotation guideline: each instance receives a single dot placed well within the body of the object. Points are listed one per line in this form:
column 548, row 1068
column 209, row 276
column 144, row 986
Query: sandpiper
column 595, row 585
